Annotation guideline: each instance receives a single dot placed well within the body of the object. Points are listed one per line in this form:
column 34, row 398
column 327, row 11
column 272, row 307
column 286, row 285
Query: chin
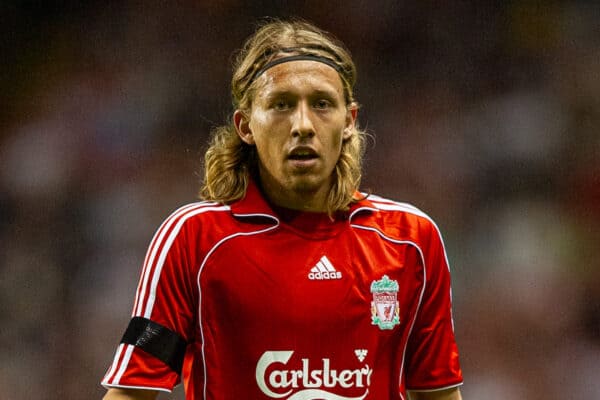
column 307, row 184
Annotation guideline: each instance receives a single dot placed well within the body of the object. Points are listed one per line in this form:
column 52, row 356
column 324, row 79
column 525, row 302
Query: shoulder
column 394, row 219
column 393, row 206
column 194, row 218
column 208, row 220
column 198, row 211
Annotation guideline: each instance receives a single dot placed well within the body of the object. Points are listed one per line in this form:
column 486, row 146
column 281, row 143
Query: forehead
column 299, row 77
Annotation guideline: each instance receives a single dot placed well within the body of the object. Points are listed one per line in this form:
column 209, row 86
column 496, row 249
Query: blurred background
column 485, row 116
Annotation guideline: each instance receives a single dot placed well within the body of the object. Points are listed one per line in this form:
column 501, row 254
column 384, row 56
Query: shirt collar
column 253, row 204
column 363, row 206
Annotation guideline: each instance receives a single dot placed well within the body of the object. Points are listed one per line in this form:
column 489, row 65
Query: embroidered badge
column 385, row 308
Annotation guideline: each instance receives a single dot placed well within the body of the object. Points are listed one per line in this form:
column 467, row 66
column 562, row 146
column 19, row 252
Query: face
column 298, row 122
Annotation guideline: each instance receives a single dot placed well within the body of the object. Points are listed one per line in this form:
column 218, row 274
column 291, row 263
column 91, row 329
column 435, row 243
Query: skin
column 448, row 394
column 299, row 108
column 130, row 394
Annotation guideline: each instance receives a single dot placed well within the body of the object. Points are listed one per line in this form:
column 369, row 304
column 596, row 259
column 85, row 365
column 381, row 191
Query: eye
column 322, row 104
column 281, row 105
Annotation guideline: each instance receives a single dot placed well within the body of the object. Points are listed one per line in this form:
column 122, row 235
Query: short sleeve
column 163, row 312
column 432, row 355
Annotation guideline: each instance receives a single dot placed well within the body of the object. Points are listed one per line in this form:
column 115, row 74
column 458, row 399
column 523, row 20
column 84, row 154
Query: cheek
column 336, row 142
column 267, row 147
column 257, row 119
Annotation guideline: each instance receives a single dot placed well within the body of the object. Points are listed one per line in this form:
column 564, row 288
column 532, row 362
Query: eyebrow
column 290, row 92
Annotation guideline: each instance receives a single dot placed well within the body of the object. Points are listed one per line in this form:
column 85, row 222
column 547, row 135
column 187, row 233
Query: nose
column 302, row 125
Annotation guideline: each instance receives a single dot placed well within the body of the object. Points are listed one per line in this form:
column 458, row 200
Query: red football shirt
column 356, row 308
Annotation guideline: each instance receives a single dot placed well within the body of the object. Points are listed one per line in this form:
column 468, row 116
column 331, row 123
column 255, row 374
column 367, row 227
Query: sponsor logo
column 361, row 354
column 276, row 380
column 385, row 308
column 324, row 270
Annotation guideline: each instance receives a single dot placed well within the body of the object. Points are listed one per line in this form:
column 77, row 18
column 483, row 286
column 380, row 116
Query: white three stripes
column 324, row 265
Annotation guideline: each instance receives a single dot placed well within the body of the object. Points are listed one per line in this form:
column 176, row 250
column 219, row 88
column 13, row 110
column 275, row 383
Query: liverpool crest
column 385, row 308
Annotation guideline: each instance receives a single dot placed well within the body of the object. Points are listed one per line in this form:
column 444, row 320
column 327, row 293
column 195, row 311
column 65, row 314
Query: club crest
column 385, row 308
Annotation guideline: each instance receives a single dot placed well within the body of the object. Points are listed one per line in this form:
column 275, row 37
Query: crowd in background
column 484, row 115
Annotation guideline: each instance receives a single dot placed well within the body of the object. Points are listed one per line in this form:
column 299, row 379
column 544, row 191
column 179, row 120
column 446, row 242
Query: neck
column 301, row 200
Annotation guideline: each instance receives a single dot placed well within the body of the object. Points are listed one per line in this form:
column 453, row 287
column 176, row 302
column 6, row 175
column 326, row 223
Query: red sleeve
column 432, row 356
column 166, row 295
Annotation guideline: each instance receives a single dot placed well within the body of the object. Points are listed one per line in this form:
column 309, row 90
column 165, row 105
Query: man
column 286, row 282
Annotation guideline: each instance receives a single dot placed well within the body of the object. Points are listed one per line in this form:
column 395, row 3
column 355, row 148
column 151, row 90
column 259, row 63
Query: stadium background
column 485, row 116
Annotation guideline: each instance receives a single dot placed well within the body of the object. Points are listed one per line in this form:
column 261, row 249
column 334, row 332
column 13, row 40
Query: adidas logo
column 324, row 270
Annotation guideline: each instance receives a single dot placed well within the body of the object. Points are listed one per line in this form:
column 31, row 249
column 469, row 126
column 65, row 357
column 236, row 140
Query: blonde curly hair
column 230, row 163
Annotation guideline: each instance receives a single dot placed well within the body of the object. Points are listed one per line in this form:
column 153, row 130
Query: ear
column 242, row 126
column 351, row 114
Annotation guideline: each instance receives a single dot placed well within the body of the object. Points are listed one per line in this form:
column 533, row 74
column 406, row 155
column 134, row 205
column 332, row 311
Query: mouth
column 303, row 158
column 302, row 154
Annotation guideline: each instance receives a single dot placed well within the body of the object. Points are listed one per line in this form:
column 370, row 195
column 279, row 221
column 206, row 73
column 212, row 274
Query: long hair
column 230, row 163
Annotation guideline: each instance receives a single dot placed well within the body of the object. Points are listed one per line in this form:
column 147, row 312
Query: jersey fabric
column 301, row 308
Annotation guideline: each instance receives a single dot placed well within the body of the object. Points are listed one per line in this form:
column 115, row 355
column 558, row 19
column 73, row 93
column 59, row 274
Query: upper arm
column 448, row 394
column 432, row 355
column 130, row 394
column 152, row 350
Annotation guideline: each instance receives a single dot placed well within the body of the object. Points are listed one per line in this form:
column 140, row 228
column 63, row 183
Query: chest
column 308, row 284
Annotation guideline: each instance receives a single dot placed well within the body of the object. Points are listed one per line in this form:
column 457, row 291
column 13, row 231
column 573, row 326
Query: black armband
column 157, row 340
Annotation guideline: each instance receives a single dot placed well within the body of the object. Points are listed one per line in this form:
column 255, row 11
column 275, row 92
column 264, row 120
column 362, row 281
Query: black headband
column 308, row 57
